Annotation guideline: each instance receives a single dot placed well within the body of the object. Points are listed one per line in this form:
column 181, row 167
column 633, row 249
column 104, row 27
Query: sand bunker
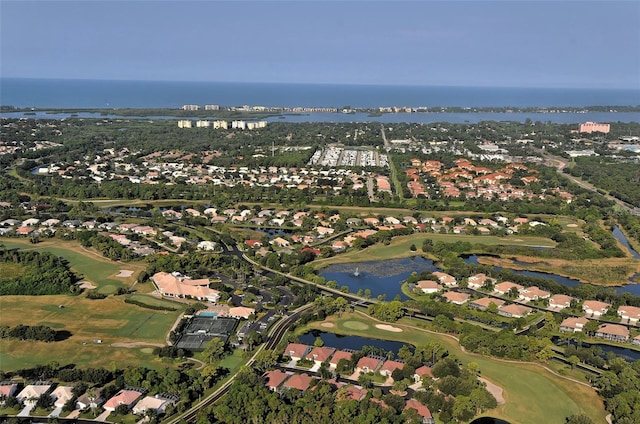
column 86, row 285
column 124, row 273
column 572, row 225
column 495, row 390
column 327, row 325
column 391, row 328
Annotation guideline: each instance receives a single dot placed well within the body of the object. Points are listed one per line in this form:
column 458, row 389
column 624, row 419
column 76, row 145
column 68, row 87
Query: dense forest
column 621, row 180
column 35, row 273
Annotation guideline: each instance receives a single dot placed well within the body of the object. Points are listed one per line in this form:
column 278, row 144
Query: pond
column 627, row 354
column 381, row 277
column 619, row 235
column 565, row 281
column 349, row 342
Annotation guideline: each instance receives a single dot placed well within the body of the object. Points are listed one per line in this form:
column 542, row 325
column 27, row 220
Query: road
column 274, row 337
column 560, row 164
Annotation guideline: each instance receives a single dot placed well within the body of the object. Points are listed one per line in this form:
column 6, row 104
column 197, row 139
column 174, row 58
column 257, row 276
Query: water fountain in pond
column 356, row 273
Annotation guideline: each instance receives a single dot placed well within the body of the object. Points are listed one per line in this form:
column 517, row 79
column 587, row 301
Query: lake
column 349, row 342
column 381, row 277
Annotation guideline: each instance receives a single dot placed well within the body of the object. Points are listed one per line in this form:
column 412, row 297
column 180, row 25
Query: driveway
column 25, row 411
column 103, row 416
column 56, row 412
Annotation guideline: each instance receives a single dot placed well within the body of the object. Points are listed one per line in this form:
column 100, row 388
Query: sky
column 560, row 44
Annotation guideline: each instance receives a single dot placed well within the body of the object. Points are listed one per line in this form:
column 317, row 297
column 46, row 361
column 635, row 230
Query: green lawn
column 109, row 320
column 88, row 265
column 9, row 271
column 401, row 246
column 532, row 394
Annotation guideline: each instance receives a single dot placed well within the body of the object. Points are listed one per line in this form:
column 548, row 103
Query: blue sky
column 454, row 43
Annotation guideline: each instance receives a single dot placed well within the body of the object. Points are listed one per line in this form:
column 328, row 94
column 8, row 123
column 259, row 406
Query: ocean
column 51, row 93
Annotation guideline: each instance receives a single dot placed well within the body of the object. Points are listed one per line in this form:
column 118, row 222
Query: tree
column 214, row 349
column 579, row 419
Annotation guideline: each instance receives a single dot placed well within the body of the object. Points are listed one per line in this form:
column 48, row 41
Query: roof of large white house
column 172, row 285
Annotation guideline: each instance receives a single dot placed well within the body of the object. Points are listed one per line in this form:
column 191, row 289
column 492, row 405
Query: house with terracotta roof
column 337, row 356
column 456, row 297
column 514, row 311
column 636, row 340
column 595, row 307
column 613, row 332
column 560, row 301
column 351, row 392
column 477, row 281
column 7, row 390
column 241, row 312
column 123, row 397
column 446, row 279
column 320, row 354
column 296, row 351
column 573, row 324
column 504, row 287
column 367, row 364
column 629, row 313
column 388, row 367
column 483, row 303
column 253, row 243
column 275, row 379
column 300, row 382
column 428, row 286
column 532, row 293
column 422, row 410
column 421, row 372
column 176, row 285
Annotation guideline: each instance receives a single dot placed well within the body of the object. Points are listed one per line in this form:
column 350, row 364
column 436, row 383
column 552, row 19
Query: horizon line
column 321, row 83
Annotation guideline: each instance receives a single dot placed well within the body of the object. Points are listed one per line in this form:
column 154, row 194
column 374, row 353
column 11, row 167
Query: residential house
column 613, row 332
column 275, row 379
column 7, row 390
column 388, row 367
column 532, row 293
column 422, row 410
column 456, row 297
column 157, row 403
column 91, row 399
column 446, row 279
column 477, row 281
column 514, row 311
column 300, row 382
column 483, row 303
column 61, row 395
column 296, row 351
column 253, row 243
column 279, row 242
column 337, row 356
column 595, row 308
column 367, row 364
column 123, row 397
column 636, row 340
column 241, row 312
column 560, row 301
column 428, row 286
column 32, row 392
column 629, row 313
column 573, row 324
column 320, row 354
column 421, row 372
column 504, row 287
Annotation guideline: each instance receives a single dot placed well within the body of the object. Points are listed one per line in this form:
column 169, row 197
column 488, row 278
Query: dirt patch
column 327, row 325
column 387, row 327
column 137, row 344
column 86, row 285
column 124, row 273
column 494, row 389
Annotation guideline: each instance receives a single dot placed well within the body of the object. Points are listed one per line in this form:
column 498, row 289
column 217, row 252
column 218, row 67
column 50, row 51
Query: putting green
column 355, row 325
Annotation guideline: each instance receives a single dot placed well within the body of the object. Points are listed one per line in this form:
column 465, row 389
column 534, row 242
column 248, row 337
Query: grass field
column 532, row 394
column 109, row 320
column 89, row 265
column 400, row 246
column 9, row 271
